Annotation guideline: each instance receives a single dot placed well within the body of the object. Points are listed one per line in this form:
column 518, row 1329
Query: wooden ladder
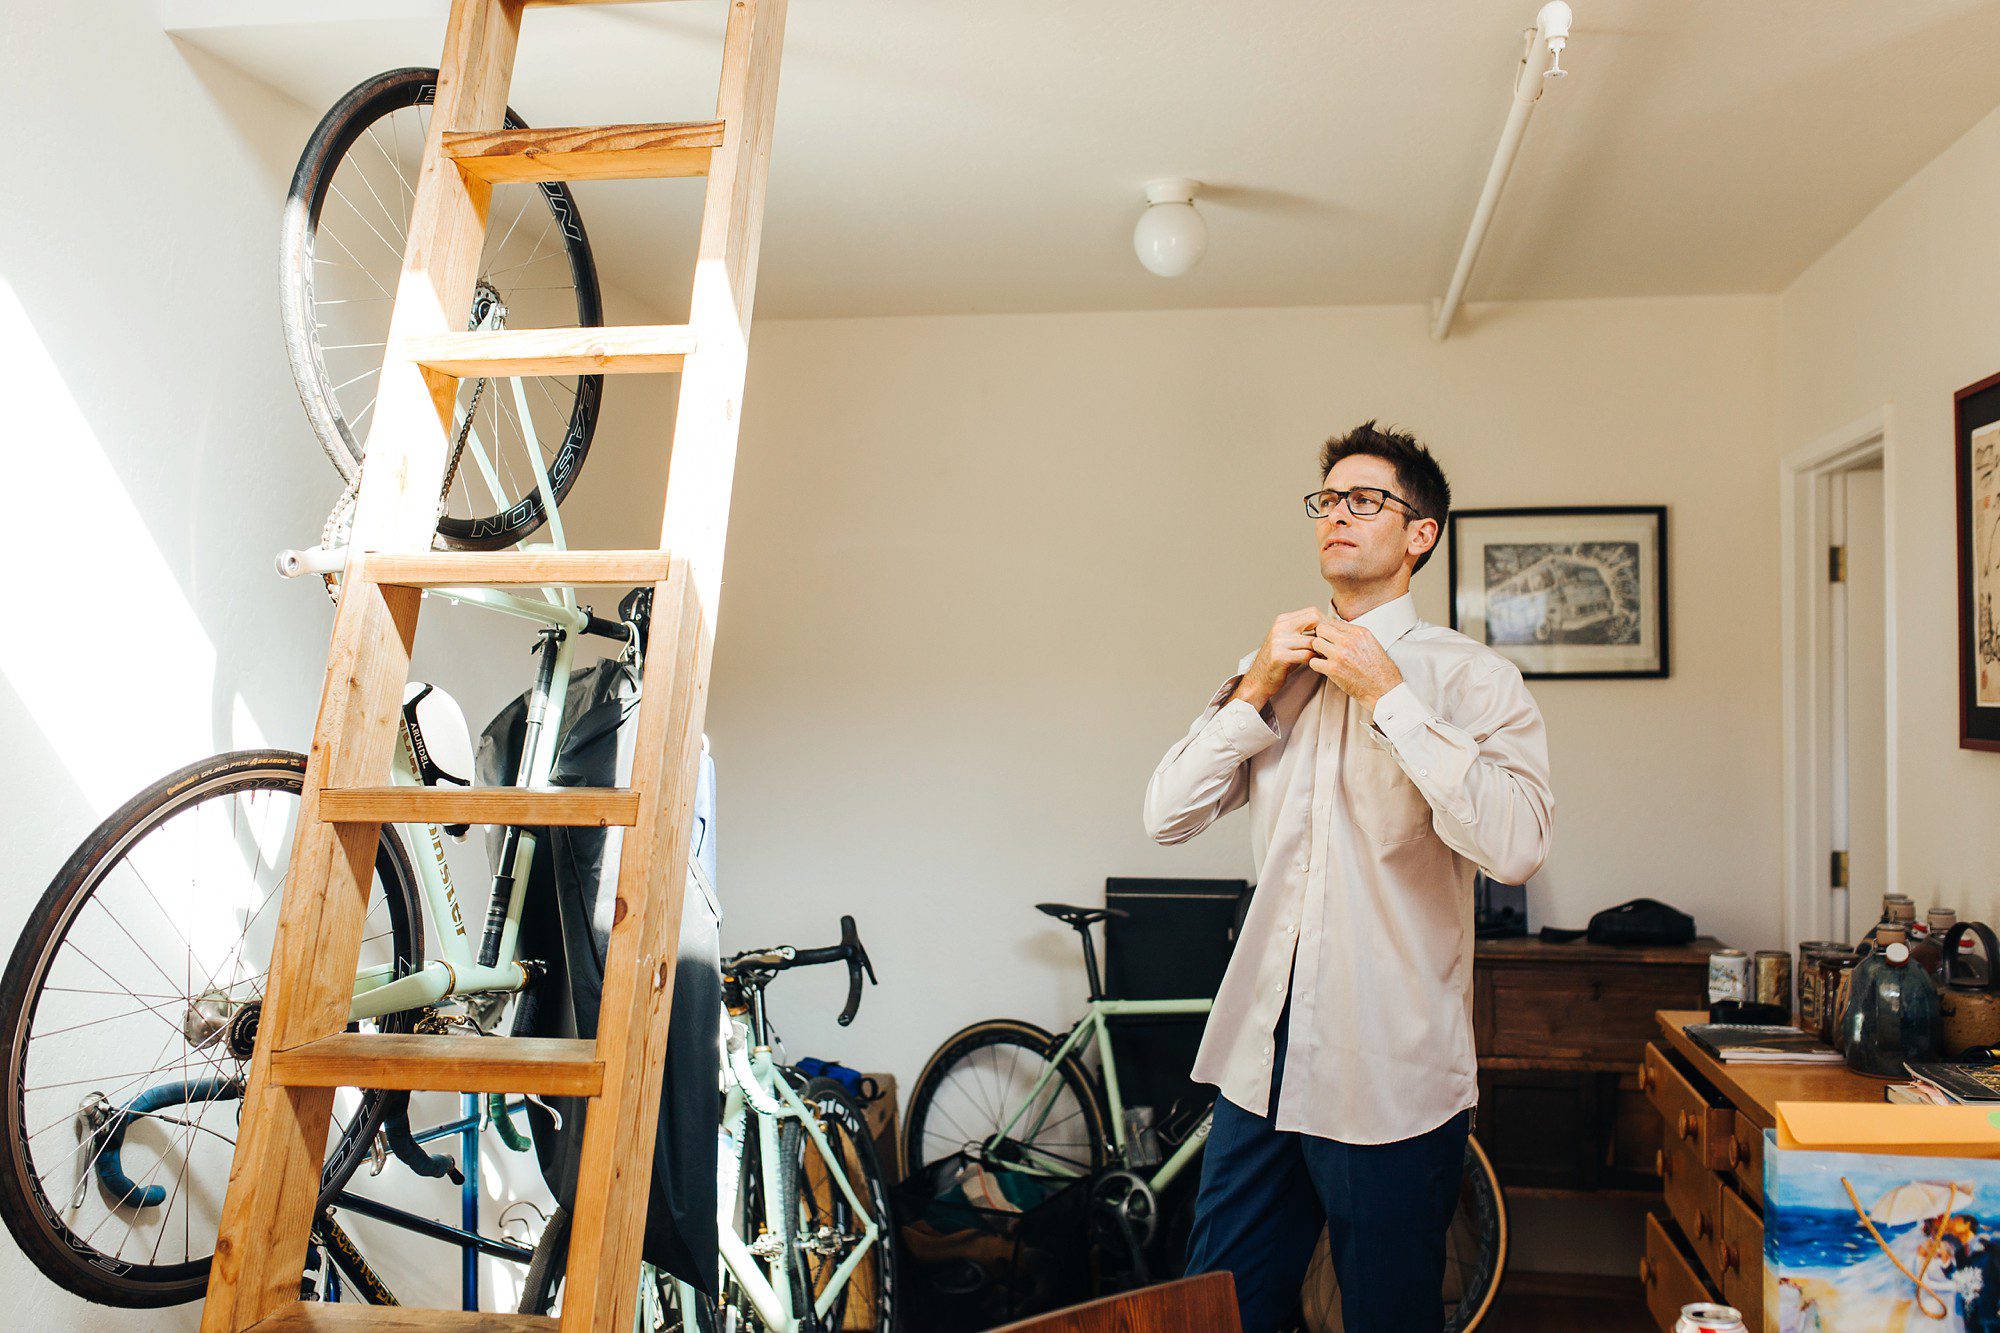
column 302, row 1052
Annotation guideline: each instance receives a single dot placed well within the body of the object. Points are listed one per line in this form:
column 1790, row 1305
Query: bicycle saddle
column 1082, row 918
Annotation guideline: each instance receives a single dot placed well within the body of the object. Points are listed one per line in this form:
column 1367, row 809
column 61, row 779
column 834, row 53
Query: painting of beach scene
column 1868, row 1243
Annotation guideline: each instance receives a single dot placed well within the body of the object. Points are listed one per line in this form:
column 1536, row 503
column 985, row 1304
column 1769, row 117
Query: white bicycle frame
column 755, row 1086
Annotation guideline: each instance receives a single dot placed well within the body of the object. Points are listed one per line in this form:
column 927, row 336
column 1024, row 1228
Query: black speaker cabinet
column 1173, row 944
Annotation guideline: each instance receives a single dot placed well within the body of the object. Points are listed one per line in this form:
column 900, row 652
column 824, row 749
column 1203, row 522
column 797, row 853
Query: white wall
column 983, row 571
column 156, row 454
column 1904, row 311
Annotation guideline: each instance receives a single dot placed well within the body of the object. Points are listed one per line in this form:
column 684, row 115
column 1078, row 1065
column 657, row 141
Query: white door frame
column 1805, row 485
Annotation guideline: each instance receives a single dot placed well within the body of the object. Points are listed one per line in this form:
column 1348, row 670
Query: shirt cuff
column 1400, row 714
column 1236, row 725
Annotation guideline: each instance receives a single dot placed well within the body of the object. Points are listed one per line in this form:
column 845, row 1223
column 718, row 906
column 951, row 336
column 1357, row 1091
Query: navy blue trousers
column 1265, row 1194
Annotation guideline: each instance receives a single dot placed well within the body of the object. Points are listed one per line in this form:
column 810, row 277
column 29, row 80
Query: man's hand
column 1354, row 659
column 1285, row 648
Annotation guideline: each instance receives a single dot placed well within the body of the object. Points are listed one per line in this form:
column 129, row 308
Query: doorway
column 1839, row 696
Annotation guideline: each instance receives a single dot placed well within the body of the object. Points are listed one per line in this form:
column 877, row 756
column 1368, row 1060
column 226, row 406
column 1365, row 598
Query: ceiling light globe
column 1171, row 237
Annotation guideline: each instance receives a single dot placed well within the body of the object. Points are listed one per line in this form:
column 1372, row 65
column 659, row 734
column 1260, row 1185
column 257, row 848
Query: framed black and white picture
column 1576, row 591
column 1976, row 411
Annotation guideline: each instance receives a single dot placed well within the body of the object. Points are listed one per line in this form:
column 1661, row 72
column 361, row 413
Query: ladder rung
column 630, row 349
column 569, row 807
column 327, row 1317
column 480, row 569
column 585, row 153
column 407, row 1061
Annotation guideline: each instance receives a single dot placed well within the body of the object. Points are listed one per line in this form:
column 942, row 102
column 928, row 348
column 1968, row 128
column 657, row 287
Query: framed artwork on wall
column 1574, row 592
column 1977, row 442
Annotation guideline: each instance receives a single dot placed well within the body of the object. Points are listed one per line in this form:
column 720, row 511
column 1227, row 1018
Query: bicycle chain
column 340, row 519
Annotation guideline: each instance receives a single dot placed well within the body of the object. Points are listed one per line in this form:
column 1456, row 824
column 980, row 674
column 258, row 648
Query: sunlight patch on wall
column 128, row 696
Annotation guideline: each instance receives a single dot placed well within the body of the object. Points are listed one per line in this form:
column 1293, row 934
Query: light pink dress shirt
column 1365, row 839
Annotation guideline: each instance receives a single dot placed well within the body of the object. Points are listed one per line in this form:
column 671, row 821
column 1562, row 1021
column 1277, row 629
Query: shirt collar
column 1389, row 621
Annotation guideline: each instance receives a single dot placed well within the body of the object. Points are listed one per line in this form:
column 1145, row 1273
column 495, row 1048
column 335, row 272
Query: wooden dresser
column 1560, row 1030
column 1709, row 1245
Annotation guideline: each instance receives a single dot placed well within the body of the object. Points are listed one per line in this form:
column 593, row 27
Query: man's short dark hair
column 1419, row 479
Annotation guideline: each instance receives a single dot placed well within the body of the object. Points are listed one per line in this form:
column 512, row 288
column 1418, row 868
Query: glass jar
column 1893, row 1015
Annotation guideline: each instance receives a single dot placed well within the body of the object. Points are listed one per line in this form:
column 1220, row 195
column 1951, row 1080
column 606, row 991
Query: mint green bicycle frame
column 757, row 1087
column 1094, row 1026
column 378, row 990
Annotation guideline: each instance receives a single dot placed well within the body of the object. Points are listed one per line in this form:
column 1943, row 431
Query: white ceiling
column 971, row 156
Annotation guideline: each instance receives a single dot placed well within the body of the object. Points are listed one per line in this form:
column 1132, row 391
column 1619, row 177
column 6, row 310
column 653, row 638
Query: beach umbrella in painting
column 1918, row 1200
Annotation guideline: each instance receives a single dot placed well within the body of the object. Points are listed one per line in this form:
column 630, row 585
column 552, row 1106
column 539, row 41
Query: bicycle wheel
column 132, row 1000
column 830, row 1227
column 1475, row 1256
column 659, row 1308
column 346, row 222
column 979, row 1083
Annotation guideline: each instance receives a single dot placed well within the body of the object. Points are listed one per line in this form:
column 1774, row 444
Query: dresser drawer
column 1690, row 1119
column 1694, row 1198
column 1743, row 1155
column 1669, row 1276
column 1739, row 1258
column 1577, row 1011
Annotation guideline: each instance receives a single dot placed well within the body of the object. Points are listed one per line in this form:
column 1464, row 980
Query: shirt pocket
column 1386, row 804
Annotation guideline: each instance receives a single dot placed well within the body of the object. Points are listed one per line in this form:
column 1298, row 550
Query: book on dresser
column 1945, row 1082
column 1758, row 1044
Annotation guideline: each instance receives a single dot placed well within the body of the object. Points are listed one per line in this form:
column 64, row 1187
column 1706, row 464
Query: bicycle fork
column 753, row 1076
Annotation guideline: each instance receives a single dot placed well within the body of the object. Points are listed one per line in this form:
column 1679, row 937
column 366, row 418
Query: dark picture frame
column 1976, row 417
column 1565, row 592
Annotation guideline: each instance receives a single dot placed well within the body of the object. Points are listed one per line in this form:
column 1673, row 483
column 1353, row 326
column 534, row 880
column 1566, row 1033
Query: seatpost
column 504, row 886
column 1090, row 963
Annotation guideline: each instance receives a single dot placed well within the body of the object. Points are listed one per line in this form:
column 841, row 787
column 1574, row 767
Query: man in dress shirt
column 1384, row 761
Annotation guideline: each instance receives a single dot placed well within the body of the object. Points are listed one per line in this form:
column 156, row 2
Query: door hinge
column 1838, row 870
column 1836, row 564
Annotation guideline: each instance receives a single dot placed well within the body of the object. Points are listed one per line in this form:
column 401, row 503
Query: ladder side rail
column 274, row 1175
column 614, row 1175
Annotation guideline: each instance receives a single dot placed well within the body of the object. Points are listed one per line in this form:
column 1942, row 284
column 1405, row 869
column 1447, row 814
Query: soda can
column 1774, row 978
column 1728, row 976
column 1705, row 1318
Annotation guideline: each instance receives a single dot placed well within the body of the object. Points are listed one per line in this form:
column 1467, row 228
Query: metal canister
column 1772, row 978
column 1728, row 976
column 1706, row 1318
column 1837, row 978
column 1811, row 1005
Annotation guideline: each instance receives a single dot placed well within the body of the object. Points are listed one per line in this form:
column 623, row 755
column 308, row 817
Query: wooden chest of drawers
column 1709, row 1245
column 1560, row 1028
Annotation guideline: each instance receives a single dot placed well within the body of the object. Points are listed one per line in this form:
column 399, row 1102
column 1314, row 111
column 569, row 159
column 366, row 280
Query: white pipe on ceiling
column 1541, row 62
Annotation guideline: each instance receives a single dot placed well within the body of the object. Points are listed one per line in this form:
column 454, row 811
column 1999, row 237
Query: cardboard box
column 884, row 1124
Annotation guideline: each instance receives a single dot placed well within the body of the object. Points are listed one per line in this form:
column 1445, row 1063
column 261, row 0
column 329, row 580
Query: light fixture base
column 1172, row 190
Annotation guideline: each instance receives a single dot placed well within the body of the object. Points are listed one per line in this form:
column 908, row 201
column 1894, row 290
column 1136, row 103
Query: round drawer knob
column 1689, row 1123
column 1703, row 1228
column 1732, row 1258
column 1647, row 1274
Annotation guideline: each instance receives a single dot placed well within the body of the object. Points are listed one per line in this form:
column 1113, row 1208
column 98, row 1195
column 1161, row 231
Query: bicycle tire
column 1479, row 1225
column 541, row 1287
column 963, row 1045
column 29, row 1214
column 846, row 1128
column 543, row 1281
column 338, row 132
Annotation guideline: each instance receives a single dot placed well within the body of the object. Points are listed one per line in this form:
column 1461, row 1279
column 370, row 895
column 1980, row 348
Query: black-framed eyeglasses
column 1362, row 502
